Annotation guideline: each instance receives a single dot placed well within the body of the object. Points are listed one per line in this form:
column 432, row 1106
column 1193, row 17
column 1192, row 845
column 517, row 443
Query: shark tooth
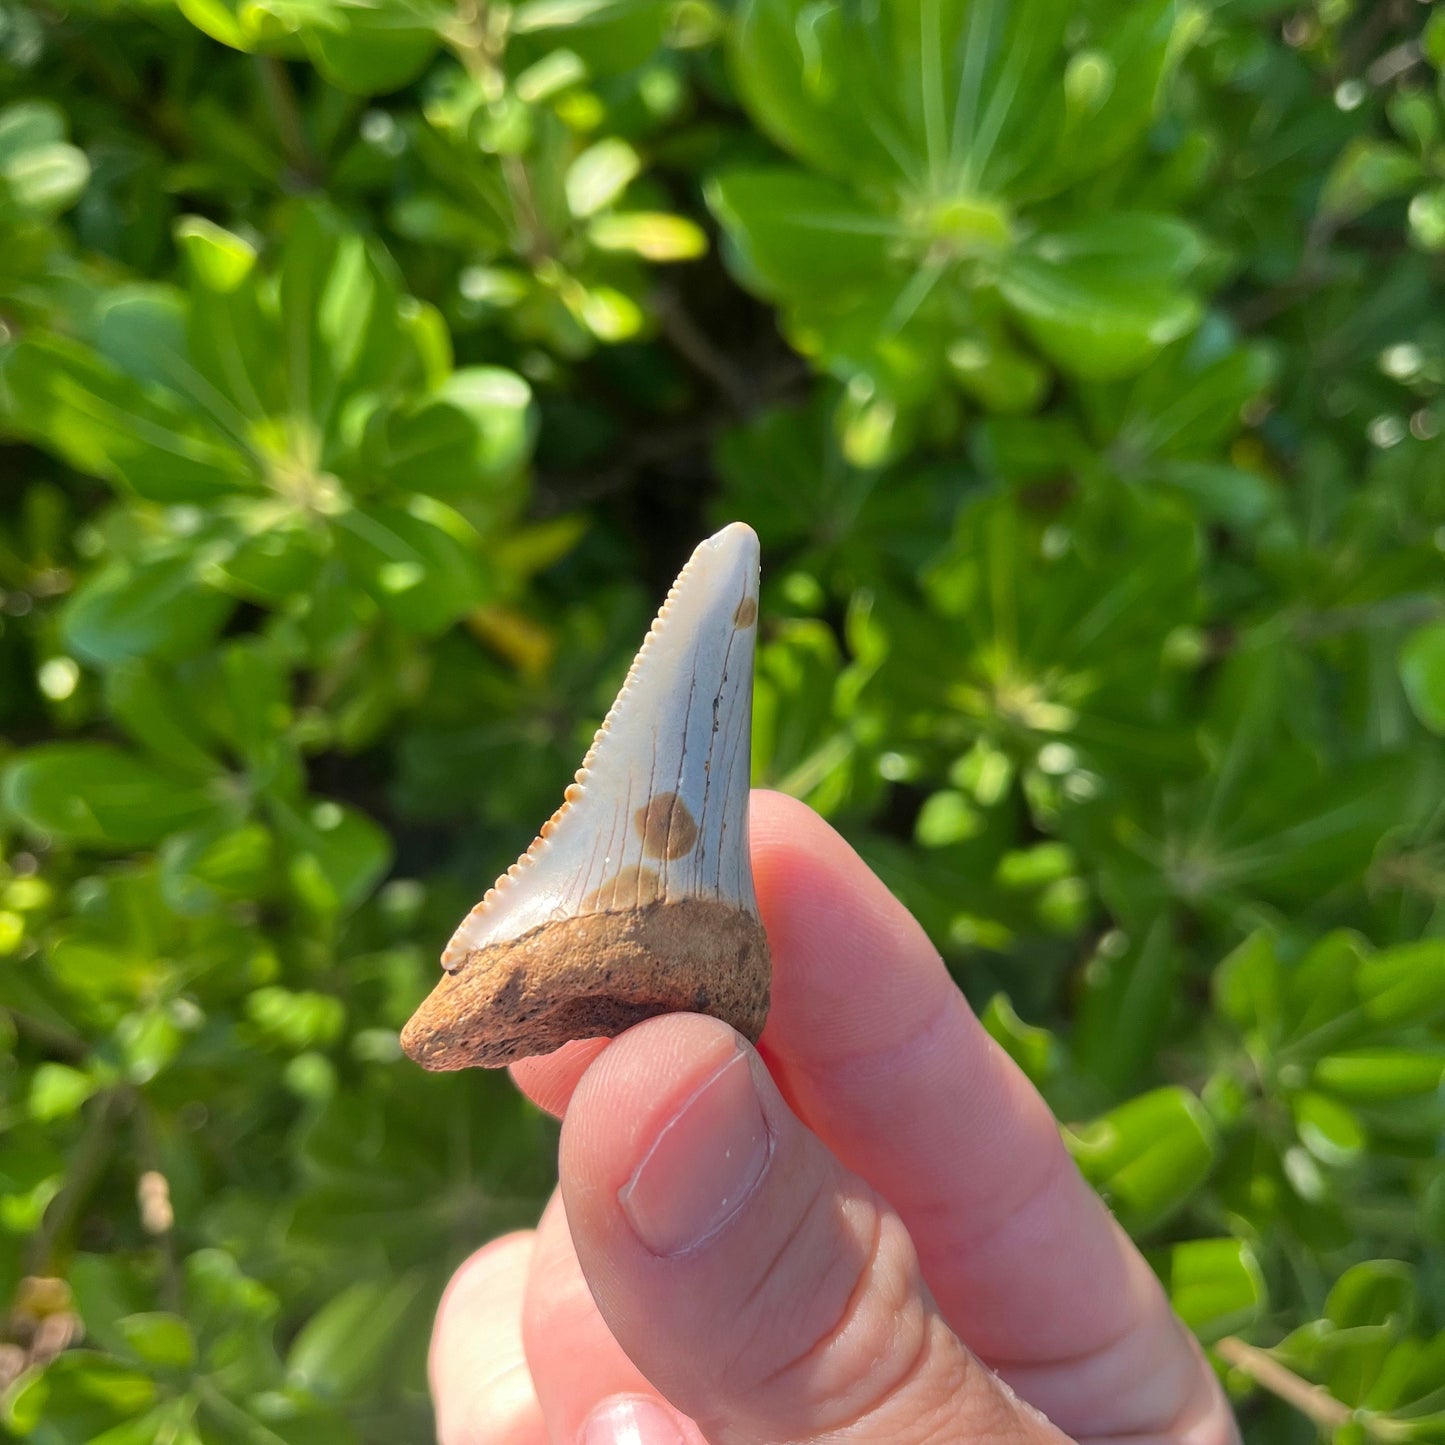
column 637, row 896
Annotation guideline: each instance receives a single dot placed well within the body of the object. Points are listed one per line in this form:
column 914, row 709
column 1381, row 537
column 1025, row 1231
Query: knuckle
column 840, row 1320
column 501, row 1410
column 480, row 1384
column 504, row 1256
column 1150, row 1382
column 1207, row 1420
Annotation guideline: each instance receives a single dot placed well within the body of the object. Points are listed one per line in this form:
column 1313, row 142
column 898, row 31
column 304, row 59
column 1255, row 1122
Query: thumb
column 766, row 1291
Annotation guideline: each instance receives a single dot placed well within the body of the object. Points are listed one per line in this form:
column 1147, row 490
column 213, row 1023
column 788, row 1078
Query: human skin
column 865, row 1229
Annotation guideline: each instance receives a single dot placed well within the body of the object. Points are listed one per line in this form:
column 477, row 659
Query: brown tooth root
column 637, row 897
column 594, row 976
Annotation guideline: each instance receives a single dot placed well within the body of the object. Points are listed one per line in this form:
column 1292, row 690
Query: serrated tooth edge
column 455, row 953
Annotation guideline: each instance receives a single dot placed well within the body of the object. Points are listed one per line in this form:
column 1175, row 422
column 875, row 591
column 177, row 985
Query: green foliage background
column 365, row 373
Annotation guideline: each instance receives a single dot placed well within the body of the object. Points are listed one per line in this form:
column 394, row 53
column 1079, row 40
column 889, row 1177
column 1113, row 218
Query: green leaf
column 1041, row 643
column 1427, row 218
column 1369, row 171
column 1404, row 985
column 946, row 818
column 599, row 176
column 1249, row 985
column 141, row 330
column 1422, row 670
column 798, row 234
column 1036, row 1051
column 1185, row 406
column 653, row 235
column 215, row 1279
column 22, row 1405
column 1035, row 867
column 220, row 19
column 336, row 855
column 269, row 560
column 419, row 564
column 160, row 713
column 1215, row 1285
column 1130, row 990
column 338, row 309
column 255, row 707
column 1432, row 39
column 232, row 340
column 371, row 50
column 1367, row 1076
column 1148, row 1156
column 28, row 124
column 1321, row 989
column 62, row 396
column 57, row 1091
column 610, row 36
column 160, row 1339
column 989, row 367
column 219, row 259
column 147, row 1042
column 153, row 607
column 40, row 174
column 169, row 1422
column 95, row 793
column 89, row 1389
column 967, row 96
column 1377, row 1292
column 296, row 1020
column 202, row 866
column 1102, row 298
column 471, row 433
column 363, row 49
column 797, row 741
column 1328, row 1129
column 342, row 1346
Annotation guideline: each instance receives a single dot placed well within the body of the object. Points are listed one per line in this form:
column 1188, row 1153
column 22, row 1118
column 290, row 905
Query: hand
column 865, row 1229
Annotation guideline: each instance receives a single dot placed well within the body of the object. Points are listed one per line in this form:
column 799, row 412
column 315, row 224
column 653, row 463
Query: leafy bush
column 364, row 373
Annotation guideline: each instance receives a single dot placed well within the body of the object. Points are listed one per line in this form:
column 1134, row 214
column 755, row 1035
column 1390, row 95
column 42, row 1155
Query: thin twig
column 1378, row 22
column 694, row 345
column 157, row 1220
column 477, row 37
column 54, row 1037
column 286, row 112
column 85, row 1166
column 656, row 448
column 1391, row 612
column 476, row 45
column 535, row 241
column 1394, row 63
column 1252, row 312
column 1313, row 1401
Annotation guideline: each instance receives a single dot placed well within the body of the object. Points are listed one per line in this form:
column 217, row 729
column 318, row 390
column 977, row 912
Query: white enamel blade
column 660, row 805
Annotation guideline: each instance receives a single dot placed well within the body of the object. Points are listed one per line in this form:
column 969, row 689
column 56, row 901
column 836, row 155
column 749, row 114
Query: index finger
column 879, row 1053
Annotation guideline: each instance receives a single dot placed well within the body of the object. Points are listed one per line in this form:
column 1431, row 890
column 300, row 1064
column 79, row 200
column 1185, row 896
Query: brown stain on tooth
column 746, row 614
column 666, row 826
column 630, row 887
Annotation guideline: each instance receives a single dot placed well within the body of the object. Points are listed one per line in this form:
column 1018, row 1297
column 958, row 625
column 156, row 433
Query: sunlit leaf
column 95, row 793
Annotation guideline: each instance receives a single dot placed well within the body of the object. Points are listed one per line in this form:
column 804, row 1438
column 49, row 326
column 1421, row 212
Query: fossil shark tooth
column 637, row 896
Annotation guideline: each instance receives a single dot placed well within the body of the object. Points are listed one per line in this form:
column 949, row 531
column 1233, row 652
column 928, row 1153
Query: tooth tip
column 735, row 534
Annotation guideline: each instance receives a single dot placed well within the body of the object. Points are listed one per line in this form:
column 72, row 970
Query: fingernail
column 702, row 1167
column 631, row 1420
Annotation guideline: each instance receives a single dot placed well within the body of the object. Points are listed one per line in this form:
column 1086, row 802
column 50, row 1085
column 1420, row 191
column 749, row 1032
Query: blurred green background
column 367, row 370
